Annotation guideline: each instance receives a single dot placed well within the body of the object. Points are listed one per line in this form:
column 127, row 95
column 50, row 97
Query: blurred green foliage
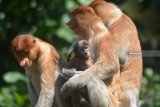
column 46, row 19
column 14, row 94
column 150, row 89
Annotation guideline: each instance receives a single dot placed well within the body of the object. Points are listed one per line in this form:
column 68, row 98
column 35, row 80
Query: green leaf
column 13, row 77
column 70, row 5
column 149, row 72
column 66, row 34
column 85, row 2
column 50, row 23
column 19, row 98
column 144, row 81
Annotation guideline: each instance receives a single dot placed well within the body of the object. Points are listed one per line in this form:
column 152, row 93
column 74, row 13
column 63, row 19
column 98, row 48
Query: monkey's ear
column 91, row 11
column 34, row 41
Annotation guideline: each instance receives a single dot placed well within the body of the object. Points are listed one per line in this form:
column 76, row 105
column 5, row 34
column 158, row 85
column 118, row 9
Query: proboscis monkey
column 40, row 61
column 80, row 62
column 88, row 26
column 125, row 37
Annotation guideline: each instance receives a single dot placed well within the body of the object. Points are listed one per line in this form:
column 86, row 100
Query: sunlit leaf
column 149, row 72
column 66, row 34
column 70, row 5
column 19, row 98
column 13, row 77
column 50, row 22
column 85, row 2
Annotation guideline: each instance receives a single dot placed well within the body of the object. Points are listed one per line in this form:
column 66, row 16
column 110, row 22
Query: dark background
column 46, row 19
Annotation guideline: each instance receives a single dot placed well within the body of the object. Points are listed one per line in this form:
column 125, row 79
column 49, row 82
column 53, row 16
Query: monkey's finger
column 22, row 63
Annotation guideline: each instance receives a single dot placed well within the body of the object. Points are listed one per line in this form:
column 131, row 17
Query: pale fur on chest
column 34, row 72
column 34, row 75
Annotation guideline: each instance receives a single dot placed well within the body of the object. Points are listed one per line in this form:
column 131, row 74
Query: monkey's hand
column 68, row 73
column 67, row 89
column 74, row 82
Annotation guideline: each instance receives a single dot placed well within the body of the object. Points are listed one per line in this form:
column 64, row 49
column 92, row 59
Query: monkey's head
column 82, row 50
column 104, row 9
column 25, row 49
column 83, row 21
column 97, row 2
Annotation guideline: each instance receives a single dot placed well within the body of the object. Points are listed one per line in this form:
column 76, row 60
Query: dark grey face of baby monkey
column 82, row 50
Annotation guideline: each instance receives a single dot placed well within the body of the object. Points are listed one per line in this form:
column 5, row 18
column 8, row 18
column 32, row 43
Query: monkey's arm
column 32, row 94
column 68, row 73
column 47, row 85
column 106, row 65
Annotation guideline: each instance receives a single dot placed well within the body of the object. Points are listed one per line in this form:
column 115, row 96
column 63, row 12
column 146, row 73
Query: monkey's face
column 83, row 19
column 25, row 50
column 76, row 25
column 82, row 50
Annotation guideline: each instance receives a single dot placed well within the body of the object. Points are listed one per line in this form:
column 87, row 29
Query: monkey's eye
column 34, row 41
column 85, row 47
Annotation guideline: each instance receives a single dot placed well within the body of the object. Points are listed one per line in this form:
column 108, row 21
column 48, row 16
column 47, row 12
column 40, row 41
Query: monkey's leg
column 32, row 94
column 78, row 100
column 59, row 100
column 130, row 98
column 99, row 95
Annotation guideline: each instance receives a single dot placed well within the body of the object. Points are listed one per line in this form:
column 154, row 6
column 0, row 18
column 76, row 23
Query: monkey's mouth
column 71, row 25
column 87, row 53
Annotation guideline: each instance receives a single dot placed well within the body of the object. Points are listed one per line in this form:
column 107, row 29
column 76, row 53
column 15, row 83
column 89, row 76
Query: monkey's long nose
column 70, row 24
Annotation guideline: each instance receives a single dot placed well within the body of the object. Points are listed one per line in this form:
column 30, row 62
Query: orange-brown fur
column 40, row 61
column 124, row 35
column 88, row 26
